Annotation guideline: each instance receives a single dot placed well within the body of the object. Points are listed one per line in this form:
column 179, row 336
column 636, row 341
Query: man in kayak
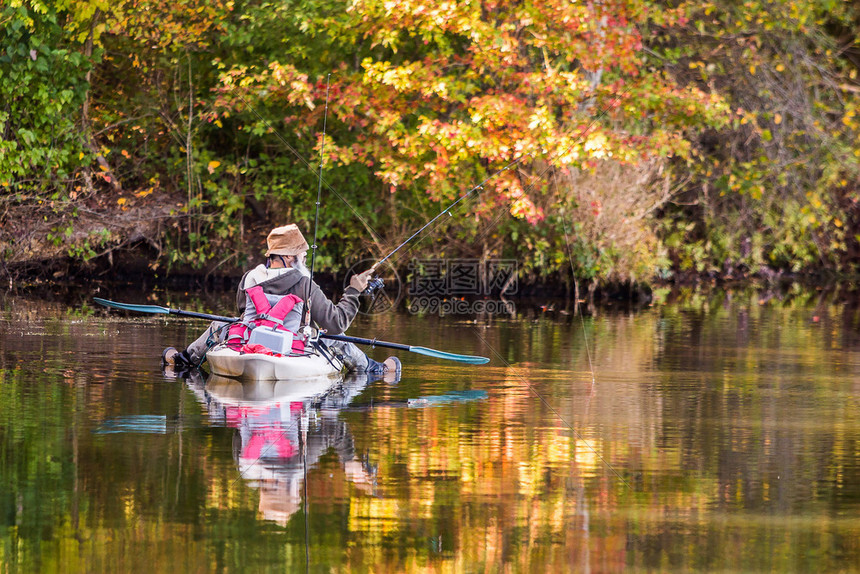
column 284, row 275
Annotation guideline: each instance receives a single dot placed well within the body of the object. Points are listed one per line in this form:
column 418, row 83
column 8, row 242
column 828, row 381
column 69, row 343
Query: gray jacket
column 332, row 318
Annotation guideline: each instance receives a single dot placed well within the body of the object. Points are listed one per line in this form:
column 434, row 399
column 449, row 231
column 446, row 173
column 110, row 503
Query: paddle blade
column 130, row 307
column 470, row 359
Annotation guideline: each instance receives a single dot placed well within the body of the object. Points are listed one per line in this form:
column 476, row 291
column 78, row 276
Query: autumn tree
column 777, row 188
column 515, row 96
column 646, row 137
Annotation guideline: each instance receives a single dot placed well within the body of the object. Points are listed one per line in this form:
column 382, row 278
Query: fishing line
column 304, row 447
column 553, row 410
column 319, row 185
column 510, row 165
column 576, row 307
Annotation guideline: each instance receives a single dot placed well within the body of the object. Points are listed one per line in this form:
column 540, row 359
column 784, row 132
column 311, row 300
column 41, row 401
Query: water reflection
column 282, row 429
column 734, row 424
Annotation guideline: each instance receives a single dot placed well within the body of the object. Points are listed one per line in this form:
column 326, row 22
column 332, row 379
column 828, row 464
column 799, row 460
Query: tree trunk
column 85, row 122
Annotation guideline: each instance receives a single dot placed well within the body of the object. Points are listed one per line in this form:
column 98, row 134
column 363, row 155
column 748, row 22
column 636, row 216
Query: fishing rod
column 307, row 315
column 376, row 282
column 507, row 167
column 373, row 283
column 447, row 209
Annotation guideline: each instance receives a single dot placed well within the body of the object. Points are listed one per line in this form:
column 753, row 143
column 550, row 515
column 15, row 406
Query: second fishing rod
column 306, row 319
column 374, row 283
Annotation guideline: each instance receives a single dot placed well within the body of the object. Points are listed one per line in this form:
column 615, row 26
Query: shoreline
column 77, row 285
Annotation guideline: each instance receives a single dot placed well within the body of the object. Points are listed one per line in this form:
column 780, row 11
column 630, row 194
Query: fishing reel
column 374, row 284
column 381, row 292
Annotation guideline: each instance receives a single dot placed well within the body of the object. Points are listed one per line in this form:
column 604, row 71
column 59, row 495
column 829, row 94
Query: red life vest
column 267, row 315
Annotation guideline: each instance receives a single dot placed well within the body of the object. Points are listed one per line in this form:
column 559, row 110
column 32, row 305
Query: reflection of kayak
column 232, row 392
column 259, row 367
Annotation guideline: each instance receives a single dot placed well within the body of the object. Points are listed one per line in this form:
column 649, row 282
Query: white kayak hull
column 226, row 362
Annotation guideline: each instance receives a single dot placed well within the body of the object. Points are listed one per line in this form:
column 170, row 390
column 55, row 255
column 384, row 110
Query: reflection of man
column 273, row 447
column 280, row 499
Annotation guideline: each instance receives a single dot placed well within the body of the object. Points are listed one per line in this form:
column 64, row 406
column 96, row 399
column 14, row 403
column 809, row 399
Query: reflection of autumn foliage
column 514, row 475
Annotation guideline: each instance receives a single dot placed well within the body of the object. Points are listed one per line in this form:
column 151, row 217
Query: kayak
column 228, row 362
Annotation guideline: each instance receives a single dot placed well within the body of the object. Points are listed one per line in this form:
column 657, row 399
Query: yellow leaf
column 752, row 70
column 837, row 222
column 777, row 119
column 121, row 201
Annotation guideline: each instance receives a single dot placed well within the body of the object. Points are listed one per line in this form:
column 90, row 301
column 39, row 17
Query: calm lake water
column 708, row 433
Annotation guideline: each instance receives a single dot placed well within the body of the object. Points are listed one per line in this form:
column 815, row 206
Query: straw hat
column 286, row 240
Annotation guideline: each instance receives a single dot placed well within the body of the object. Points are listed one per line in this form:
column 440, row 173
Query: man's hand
column 359, row 282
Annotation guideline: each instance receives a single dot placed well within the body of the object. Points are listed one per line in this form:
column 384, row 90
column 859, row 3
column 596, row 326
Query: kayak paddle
column 470, row 359
column 162, row 310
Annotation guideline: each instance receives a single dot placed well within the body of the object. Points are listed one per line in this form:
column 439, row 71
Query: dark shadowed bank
column 128, row 273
